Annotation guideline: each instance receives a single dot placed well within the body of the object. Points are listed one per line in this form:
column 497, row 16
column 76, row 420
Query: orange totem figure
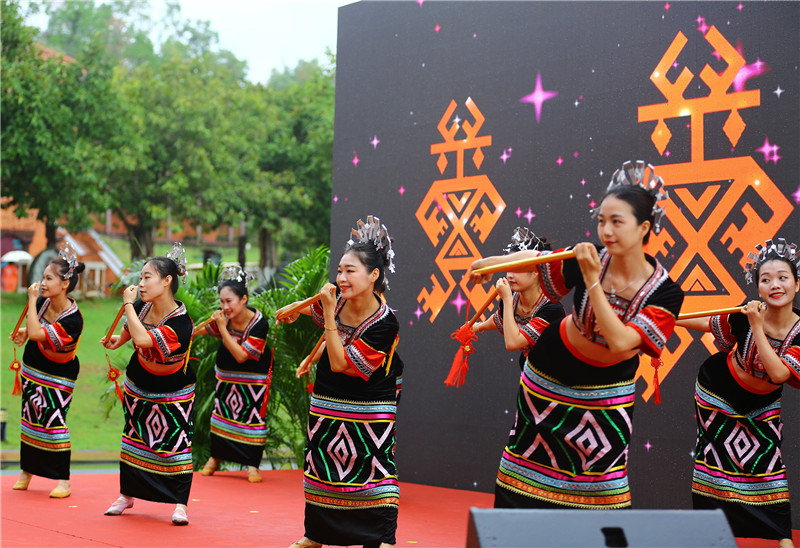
column 457, row 210
column 710, row 199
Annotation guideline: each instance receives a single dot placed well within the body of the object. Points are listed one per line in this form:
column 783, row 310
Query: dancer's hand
column 130, row 294
column 34, row 290
column 478, row 278
column 112, row 343
column 304, row 367
column 21, row 336
column 755, row 312
column 589, row 262
column 220, row 318
column 503, row 288
column 328, row 294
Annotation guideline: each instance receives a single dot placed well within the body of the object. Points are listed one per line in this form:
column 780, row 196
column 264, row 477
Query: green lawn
column 89, row 428
column 194, row 252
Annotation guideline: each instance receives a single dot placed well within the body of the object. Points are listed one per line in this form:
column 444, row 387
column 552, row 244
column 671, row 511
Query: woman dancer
column 577, row 389
column 49, row 370
column 524, row 310
column 238, row 432
column 156, row 458
column 354, row 403
column 738, row 394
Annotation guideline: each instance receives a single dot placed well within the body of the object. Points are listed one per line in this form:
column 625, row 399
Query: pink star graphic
column 420, row 2
column 529, row 215
column 740, row 7
column 458, row 302
column 648, row 445
column 770, row 151
column 796, row 195
column 518, row 212
column 667, row 6
column 575, row 154
column 593, row 204
column 437, row 28
column 375, row 142
column 538, row 97
column 749, row 71
column 335, row 199
column 560, row 161
column 418, row 312
column 401, row 190
column 505, row 155
column 701, row 24
column 583, row 182
column 355, row 159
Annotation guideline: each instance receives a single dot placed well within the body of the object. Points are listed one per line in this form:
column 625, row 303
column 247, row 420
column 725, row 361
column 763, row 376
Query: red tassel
column 113, row 375
column 15, row 367
column 458, row 371
column 310, row 387
column 263, row 412
column 656, row 363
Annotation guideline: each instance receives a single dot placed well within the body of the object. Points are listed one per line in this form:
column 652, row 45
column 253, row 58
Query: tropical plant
column 290, row 396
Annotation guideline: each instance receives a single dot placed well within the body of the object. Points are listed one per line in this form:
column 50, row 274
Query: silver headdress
column 67, row 252
column 644, row 176
column 236, row 273
column 524, row 239
column 178, row 254
column 375, row 233
column 769, row 251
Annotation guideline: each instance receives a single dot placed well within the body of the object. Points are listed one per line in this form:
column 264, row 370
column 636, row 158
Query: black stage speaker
column 598, row 528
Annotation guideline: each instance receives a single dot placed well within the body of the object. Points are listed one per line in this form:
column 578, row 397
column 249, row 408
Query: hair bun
column 80, row 267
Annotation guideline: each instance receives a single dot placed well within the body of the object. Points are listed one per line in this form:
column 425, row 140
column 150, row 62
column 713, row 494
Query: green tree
column 183, row 152
column 296, row 162
column 59, row 127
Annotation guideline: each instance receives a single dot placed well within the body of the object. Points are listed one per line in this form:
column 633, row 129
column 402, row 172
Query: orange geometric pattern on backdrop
column 458, row 210
column 711, row 201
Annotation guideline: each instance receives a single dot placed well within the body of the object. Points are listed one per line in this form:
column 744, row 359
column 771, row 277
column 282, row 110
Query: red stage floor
column 225, row 510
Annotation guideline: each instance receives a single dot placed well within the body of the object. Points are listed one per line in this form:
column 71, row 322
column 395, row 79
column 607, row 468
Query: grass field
column 89, row 428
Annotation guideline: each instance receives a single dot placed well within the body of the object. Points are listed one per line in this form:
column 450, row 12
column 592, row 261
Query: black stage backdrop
column 458, row 121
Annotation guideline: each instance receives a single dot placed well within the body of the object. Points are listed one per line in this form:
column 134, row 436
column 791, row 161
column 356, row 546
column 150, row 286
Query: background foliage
column 161, row 132
column 289, row 396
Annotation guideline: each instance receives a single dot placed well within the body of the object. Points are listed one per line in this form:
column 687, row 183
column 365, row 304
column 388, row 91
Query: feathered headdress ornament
column 178, row 255
column 769, row 251
column 644, row 176
column 67, row 252
column 524, row 239
column 236, row 273
column 375, row 233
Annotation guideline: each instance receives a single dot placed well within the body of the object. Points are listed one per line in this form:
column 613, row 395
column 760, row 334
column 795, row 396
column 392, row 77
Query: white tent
column 17, row 256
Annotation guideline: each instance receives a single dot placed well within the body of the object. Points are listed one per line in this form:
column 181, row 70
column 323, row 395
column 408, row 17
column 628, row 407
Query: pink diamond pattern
column 343, row 451
column 589, row 441
column 235, row 401
column 155, row 424
column 741, row 445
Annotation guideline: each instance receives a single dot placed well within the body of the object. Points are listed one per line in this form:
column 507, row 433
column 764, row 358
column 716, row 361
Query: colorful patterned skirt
column 738, row 465
column 45, row 448
column 569, row 445
column 156, row 458
column 350, row 481
column 238, row 433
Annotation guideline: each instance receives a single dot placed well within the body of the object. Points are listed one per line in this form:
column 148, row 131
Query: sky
column 268, row 34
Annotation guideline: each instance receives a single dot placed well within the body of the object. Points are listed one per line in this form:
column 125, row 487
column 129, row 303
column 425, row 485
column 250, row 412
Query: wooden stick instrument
column 512, row 265
column 703, row 313
column 204, row 323
column 298, row 306
column 116, row 321
column 307, row 361
column 19, row 322
column 484, row 306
